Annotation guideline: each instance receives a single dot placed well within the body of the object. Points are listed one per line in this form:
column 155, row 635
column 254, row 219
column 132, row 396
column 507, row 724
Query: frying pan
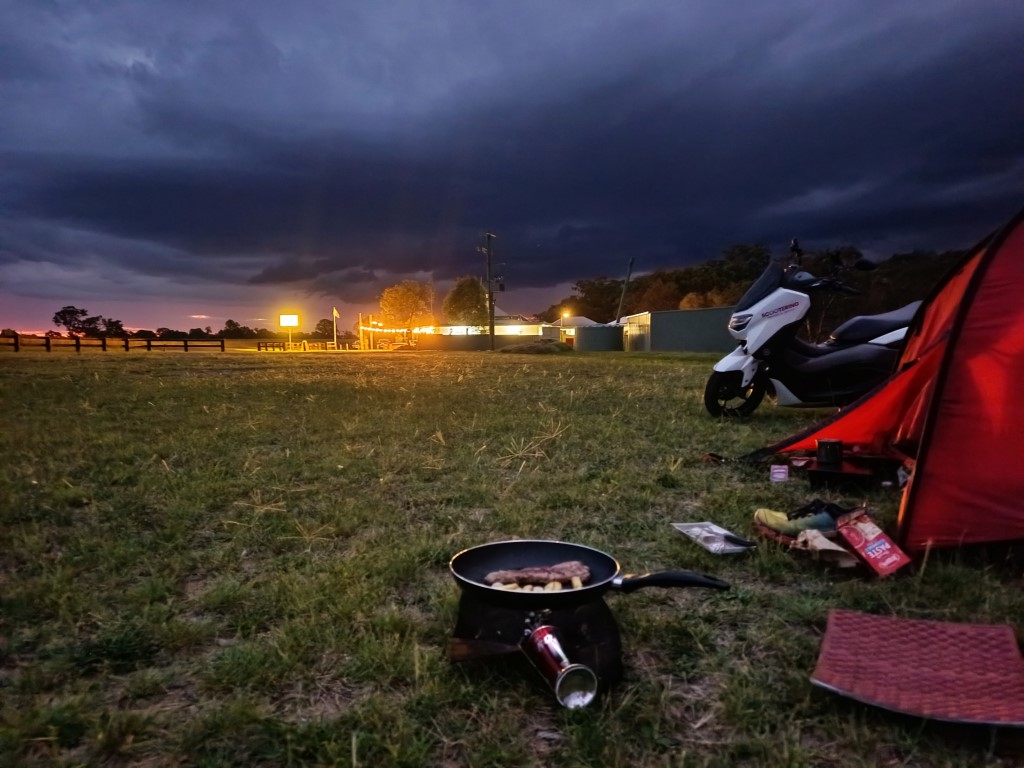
column 470, row 566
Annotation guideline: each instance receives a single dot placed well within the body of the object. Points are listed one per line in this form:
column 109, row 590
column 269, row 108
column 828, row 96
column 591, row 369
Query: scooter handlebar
column 847, row 289
column 833, row 285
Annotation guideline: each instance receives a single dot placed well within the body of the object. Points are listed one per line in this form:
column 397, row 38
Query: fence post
column 48, row 340
column 17, row 344
column 186, row 344
column 149, row 345
column 78, row 344
column 222, row 345
column 103, row 343
column 125, row 343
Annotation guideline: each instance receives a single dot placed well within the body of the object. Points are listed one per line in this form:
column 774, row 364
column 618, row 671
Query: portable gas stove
column 588, row 632
column 569, row 635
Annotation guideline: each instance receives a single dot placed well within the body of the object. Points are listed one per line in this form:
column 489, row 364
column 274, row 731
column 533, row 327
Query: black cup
column 830, row 452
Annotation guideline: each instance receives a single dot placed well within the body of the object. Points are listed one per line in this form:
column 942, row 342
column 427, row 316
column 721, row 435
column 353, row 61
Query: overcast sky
column 180, row 162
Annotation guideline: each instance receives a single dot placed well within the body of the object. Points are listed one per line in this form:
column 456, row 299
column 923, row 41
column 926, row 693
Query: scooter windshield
column 769, row 280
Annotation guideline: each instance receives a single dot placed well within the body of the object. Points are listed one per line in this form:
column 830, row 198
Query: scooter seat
column 866, row 327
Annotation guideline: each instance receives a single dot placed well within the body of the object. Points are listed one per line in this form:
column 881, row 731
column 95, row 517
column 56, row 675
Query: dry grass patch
column 242, row 560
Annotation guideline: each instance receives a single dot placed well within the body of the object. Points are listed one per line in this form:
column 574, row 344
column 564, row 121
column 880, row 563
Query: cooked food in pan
column 549, row 578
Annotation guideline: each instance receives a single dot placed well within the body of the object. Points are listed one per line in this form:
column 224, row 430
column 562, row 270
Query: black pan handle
column 732, row 538
column 629, row 582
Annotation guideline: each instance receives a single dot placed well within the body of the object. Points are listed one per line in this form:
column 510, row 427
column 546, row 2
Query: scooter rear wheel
column 724, row 395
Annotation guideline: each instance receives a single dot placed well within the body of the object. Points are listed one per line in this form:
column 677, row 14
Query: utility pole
column 490, row 286
column 625, row 285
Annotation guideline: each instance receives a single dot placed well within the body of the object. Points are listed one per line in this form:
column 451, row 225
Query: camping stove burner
column 588, row 632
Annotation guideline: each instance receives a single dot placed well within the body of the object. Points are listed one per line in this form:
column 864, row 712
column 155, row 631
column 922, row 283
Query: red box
column 870, row 543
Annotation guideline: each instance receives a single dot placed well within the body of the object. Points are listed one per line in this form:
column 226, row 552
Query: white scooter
column 860, row 354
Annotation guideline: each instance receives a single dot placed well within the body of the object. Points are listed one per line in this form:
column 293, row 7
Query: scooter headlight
column 739, row 322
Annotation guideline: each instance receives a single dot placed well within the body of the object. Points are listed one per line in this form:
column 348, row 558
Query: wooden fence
column 50, row 343
column 306, row 345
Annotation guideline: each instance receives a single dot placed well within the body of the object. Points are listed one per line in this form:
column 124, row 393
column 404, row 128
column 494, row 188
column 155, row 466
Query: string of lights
column 380, row 329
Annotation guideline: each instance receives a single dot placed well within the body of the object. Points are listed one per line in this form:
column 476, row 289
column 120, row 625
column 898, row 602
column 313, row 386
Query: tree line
column 720, row 282
column 898, row 280
column 78, row 322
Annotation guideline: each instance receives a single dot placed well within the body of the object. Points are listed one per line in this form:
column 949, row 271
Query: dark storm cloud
column 347, row 147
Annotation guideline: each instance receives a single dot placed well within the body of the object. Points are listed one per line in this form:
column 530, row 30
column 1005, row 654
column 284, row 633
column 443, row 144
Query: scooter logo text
column 780, row 310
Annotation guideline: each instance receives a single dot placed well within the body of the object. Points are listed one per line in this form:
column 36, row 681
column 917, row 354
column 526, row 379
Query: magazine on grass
column 714, row 538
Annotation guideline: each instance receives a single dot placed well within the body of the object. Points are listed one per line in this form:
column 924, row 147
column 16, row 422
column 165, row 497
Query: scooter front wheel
column 724, row 394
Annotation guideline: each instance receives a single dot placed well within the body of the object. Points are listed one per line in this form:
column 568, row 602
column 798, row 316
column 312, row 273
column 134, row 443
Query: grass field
column 240, row 559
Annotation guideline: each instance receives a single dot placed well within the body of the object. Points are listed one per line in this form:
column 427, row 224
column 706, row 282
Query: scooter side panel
column 738, row 360
column 784, row 397
column 834, row 379
column 781, row 308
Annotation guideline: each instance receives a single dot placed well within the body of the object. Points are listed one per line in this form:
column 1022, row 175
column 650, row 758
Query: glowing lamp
column 289, row 322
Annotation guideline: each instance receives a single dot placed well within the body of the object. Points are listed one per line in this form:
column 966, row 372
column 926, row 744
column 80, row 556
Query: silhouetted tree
column 111, row 327
column 596, row 298
column 70, row 318
column 407, row 304
column 170, row 334
column 694, row 300
column 742, row 263
column 90, row 326
column 660, row 293
column 78, row 322
column 466, row 302
column 233, row 330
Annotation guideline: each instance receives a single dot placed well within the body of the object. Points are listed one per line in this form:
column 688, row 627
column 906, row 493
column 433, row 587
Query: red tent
column 954, row 406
